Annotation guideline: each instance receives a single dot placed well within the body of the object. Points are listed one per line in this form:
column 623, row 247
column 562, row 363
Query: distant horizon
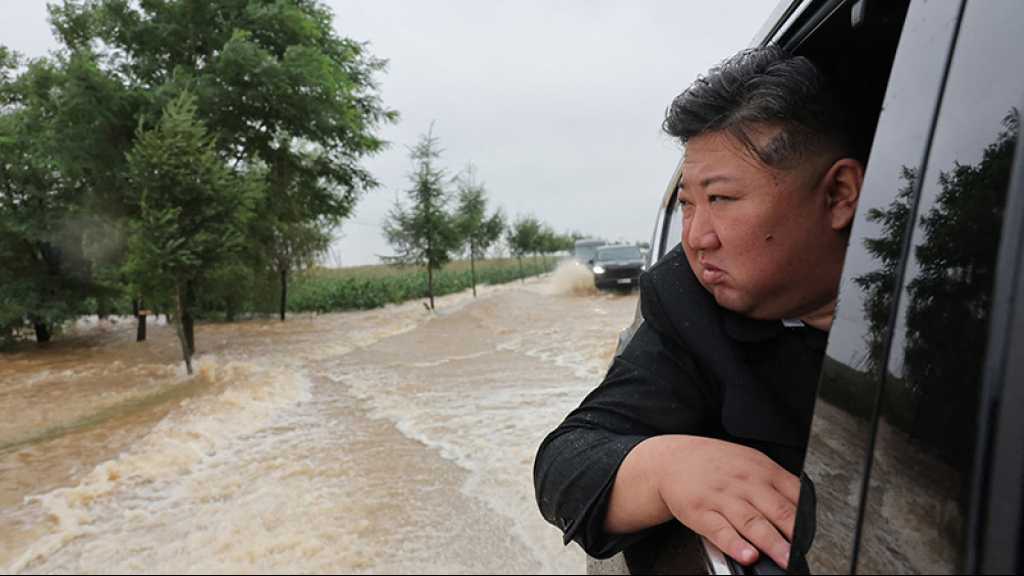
column 497, row 253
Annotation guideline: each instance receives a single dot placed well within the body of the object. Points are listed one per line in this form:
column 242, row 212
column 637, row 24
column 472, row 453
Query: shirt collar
column 749, row 330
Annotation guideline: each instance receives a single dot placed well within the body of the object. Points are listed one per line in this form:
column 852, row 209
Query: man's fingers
column 721, row 533
column 788, row 485
column 776, row 508
column 759, row 531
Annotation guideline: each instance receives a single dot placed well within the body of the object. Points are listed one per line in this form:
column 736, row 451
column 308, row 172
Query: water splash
column 571, row 278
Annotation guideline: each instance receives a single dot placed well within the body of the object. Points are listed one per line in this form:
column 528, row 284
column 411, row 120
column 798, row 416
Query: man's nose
column 699, row 233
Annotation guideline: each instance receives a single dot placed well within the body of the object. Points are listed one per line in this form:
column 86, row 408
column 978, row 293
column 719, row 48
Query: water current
column 386, row 441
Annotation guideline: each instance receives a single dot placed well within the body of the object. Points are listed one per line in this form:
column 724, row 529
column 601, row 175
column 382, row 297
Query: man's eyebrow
column 705, row 182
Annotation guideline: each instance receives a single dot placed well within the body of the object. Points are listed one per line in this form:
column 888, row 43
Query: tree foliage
column 426, row 233
column 45, row 277
column 288, row 106
column 522, row 237
column 275, row 85
column 192, row 210
column 477, row 230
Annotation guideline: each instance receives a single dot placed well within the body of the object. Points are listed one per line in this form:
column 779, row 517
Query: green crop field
column 362, row 287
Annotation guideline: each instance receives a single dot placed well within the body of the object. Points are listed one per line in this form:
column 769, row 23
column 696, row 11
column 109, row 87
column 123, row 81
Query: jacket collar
column 749, row 330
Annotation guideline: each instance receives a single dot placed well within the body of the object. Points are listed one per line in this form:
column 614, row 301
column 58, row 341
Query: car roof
column 773, row 23
column 610, row 247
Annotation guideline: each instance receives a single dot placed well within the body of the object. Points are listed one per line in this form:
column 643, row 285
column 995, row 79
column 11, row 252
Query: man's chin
column 729, row 299
column 735, row 302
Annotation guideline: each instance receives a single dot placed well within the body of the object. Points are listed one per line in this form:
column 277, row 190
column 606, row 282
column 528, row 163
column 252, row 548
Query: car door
column 916, row 506
column 839, row 447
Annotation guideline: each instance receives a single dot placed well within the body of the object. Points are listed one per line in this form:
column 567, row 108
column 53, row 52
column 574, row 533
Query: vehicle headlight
column 598, row 270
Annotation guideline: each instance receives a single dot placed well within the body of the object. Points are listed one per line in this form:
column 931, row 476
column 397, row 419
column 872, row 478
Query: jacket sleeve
column 652, row 388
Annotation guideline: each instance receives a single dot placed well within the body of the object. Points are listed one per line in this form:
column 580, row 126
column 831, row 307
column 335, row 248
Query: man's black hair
column 759, row 88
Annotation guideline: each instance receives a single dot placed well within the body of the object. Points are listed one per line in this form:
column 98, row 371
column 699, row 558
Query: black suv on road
column 915, row 461
column 617, row 267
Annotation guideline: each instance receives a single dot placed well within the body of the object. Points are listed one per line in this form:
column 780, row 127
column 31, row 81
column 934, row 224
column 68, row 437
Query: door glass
column 916, row 501
column 838, row 446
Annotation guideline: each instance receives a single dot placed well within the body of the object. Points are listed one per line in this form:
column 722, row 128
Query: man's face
column 761, row 240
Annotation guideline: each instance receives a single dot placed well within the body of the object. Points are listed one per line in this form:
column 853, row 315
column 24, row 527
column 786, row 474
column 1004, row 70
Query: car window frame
column 997, row 496
column 667, row 212
column 893, row 313
column 994, row 522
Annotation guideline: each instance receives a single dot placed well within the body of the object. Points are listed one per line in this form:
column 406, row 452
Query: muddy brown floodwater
column 384, row 441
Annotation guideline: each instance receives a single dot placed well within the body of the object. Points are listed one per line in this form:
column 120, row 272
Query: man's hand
column 735, row 496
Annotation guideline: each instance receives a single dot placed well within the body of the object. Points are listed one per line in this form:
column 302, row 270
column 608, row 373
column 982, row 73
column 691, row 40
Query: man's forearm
column 636, row 501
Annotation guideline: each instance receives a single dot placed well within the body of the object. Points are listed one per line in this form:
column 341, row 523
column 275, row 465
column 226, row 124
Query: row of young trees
column 171, row 152
column 430, row 231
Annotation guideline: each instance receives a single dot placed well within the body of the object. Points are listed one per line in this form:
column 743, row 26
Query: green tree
column 44, row 275
column 424, row 234
column 297, row 244
column 477, row 230
column 78, row 124
column 192, row 211
column 274, row 84
column 523, row 238
column 548, row 242
column 94, row 117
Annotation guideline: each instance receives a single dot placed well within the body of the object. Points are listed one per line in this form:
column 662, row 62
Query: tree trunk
column 472, row 269
column 430, row 270
column 522, row 278
column 140, row 329
column 102, row 307
column 180, row 313
column 284, row 291
column 430, row 285
column 42, row 332
column 188, row 321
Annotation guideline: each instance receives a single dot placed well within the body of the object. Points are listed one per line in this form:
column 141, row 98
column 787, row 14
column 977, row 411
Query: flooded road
column 385, row 441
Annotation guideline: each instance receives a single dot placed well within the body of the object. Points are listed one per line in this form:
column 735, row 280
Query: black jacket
column 691, row 368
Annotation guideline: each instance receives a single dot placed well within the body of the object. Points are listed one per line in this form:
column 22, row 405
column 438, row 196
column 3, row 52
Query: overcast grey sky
column 558, row 103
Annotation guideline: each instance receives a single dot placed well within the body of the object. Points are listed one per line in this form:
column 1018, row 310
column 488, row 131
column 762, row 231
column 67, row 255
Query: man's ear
column 842, row 189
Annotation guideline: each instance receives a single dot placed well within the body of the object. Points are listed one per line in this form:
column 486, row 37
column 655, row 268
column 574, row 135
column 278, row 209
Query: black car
column 915, row 461
column 617, row 267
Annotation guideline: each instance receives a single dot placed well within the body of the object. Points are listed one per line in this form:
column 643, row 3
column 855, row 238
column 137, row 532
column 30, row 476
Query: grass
column 363, row 287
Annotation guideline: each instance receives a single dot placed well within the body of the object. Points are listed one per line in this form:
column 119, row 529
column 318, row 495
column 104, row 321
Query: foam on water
column 249, row 395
